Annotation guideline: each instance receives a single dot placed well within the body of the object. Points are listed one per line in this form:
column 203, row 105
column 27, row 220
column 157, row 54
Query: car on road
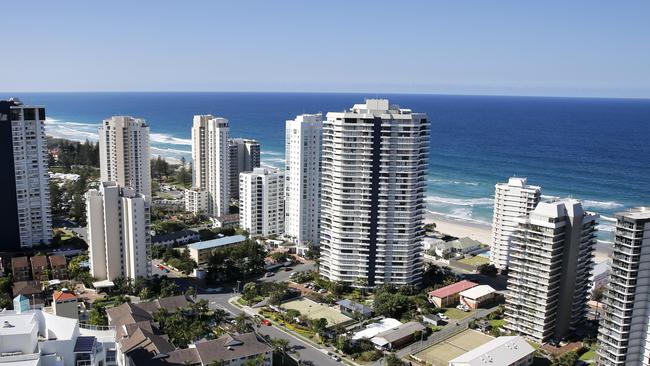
column 266, row 322
column 335, row 358
column 269, row 274
column 165, row 270
column 322, row 291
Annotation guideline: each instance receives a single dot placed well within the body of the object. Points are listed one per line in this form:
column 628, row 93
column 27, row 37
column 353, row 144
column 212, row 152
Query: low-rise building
column 398, row 337
column 176, row 238
column 201, row 251
column 449, row 295
column 432, row 319
column 58, row 267
column 35, row 338
column 457, row 247
column 196, row 200
column 64, row 303
column 478, row 296
column 225, row 221
column 33, row 290
column 231, row 350
column 374, row 329
column 39, row 267
column 502, row 351
column 600, row 275
column 20, row 269
column 351, row 308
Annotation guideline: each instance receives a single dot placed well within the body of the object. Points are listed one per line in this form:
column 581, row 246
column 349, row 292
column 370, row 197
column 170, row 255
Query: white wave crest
column 459, row 216
column 603, row 205
column 460, row 201
column 167, row 139
column 439, row 181
column 271, row 153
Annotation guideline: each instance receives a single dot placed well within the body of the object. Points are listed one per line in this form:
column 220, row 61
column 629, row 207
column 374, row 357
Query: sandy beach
column 460, row 229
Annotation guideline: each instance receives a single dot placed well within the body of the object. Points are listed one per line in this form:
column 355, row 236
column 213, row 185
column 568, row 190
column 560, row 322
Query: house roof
column 230, row 347
column 63, row 296
column 376, row 328
column 452, row 289
column 27, row 288
column 460, row 244
column 499, row 351
column 183, row 356
column 38, row 261
column 363, row 309
column 395, row 334
column 127, row 313
column 57, row 260
column 215, row 243
column 19, row 262
column 146, row 340
column 227, row 218
column 477, row 292
column 433, row 317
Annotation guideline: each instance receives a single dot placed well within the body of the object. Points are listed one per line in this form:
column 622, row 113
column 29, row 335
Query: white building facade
column 550, row 264
column 244, row 157
column 211, row 157
column 124, row 153
column 196, row 201
column 512, row 200
column 261, row 201
column 24, row 182
column 302, row 179
column 624, row 333
column 118, row 232
column 373, row 182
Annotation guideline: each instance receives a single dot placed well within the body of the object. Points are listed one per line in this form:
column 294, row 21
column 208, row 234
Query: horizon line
column 321, row 92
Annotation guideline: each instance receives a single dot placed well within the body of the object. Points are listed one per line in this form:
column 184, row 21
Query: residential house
column 457, row 247
column 58, row 267
column 231, row 350
column 65, row 304
column 432, row 319
column 20, row 269
column 225, row 221
column 39, row 267
column 449, row 295
column 351, row 308
column 176, row 238
column 478, row 296
column 396, row 338
column 33, row 290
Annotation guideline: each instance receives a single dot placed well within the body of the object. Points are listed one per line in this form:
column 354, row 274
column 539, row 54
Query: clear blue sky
column 572, row 48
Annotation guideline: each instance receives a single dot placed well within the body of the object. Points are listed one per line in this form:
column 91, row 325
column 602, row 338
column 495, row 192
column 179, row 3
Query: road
column 304, row 350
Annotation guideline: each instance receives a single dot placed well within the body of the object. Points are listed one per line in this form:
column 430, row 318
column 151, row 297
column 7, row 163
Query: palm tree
column 243, row 323
column 281, row 345
column 362, row 282
column 191, row 292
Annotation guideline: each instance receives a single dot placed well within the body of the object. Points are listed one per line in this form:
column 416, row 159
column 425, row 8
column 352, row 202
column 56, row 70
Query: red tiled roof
column 63, row 296
column 452, row 289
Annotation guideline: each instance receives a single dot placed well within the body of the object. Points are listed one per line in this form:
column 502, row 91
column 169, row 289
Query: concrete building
column 244, row 157
column 302, row 179
column 124, row 153
column 373, row 182
column 511, row 201
column 176, row 238
column 211, row 161
column 225, row 221
column 58, row 267
column 478, row 296
column 551, row 259
column 39, row 267
column 261, row 201
column 202, row 250
column 65, row 304
column 624, row 334
column 36, row 338
column 501, row 351
column 398, row 337
column 118, row 232
column 197, row 201
column 26, row 218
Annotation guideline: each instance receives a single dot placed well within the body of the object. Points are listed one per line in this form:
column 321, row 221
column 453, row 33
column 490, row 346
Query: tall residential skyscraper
column 118, row 232
column 373, row 181
column 26, row 219
column 302, row 179
column 261, row 201
column 244, row 157
column 624, row 334
column 511, row 200
column 211, row 156
column 551, row 259
column 124, row 153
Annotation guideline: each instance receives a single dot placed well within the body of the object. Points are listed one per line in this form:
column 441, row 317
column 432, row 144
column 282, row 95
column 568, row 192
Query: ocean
column 595, row 150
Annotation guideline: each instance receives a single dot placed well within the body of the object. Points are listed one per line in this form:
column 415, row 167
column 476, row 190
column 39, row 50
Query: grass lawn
column 590, row 354
column 497, row 323
column 456, row 314
column 475, row 261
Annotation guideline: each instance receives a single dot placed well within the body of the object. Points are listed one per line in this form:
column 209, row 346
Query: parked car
column 268, row 274
column 322, row 291
column 443, row 316
column 266, row 322
column 462, row 307
column 335, row 358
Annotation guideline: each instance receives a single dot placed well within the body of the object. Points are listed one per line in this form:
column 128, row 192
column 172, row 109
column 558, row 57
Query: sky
column 554, row 48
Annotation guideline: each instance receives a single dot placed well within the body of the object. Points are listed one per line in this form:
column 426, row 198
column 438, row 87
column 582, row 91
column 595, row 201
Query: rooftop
column 477, row 291
column 19, row 262
column 355, row 306
column 499, row 351
column 230, row 347
column 57, row 260
column 215, row 243
column 38, row 261
column 173, row 236
column 63, row 296
column 636, row 213
column 395, row 334
column 452, row 289
column 377, row 328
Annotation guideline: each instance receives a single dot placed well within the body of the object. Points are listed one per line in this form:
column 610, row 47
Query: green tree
column 393, row 360
column 97, row 315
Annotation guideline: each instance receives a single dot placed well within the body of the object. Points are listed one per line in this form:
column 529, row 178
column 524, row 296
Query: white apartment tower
column 244, row 157
column 624, row 334
column 211, row 156
column 26, row 219
column 302, row 179
column 118, row 232
column 551, row 259
column 373, row 182
column 511, row 200
column 124, row 153
column 261, row 201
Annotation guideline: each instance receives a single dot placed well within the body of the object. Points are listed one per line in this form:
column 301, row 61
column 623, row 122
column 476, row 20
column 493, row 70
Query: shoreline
column 460, row 229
